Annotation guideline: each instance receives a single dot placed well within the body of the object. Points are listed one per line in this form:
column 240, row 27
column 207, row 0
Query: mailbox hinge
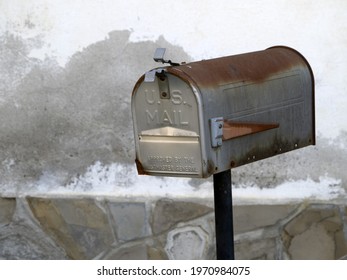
column 216, row 125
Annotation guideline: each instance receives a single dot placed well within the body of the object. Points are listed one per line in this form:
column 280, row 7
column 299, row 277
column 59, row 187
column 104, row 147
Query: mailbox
column 201, row 118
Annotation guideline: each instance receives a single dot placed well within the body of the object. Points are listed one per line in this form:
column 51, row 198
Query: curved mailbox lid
column 254, row 66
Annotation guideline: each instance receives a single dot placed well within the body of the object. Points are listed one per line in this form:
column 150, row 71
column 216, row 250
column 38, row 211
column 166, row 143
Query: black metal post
column 223, row 209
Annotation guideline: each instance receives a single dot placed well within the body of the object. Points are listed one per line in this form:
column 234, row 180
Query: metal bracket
column 150, row 75
column 216, row 125
column 159, row 57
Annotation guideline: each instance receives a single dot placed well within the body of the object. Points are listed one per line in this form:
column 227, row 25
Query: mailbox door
column 166, row 116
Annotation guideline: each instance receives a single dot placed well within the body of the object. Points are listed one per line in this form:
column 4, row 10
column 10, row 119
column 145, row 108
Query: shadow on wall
column 61, row 120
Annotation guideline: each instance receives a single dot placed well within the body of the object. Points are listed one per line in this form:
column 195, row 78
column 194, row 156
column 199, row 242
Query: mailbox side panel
column 283, row 99
column 270, row 90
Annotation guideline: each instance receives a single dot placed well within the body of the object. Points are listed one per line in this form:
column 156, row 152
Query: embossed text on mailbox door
column 168, row 128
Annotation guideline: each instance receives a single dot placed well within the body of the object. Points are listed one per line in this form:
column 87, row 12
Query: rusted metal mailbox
column 205, row 117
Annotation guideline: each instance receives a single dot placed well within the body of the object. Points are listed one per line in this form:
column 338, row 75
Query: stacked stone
column 107, row 228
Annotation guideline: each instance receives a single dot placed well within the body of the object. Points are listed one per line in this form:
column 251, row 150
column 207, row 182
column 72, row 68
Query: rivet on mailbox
column 195, row 119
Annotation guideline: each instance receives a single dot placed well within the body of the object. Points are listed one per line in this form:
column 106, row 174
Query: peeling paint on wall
column 61, row 120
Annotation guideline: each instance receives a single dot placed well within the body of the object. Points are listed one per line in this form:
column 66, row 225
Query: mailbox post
column 223, row 209
column 207, row 117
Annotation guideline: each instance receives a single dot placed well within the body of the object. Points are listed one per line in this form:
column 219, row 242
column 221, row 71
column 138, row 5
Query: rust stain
column 254, row 66
column 137, row 85
column 232, row 129
column 278, row 146
column 140, row 169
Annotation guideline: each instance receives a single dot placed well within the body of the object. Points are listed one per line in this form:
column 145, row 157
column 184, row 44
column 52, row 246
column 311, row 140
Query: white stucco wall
column 318, row 29
column 204, row 29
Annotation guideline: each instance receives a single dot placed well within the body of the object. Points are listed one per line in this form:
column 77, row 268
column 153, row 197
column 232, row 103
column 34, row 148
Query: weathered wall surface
column 66, row 76
column 61, row 120
column 58, row 121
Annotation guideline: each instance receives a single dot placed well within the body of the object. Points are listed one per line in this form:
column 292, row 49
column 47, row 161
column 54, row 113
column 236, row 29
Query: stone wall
column 143, row 228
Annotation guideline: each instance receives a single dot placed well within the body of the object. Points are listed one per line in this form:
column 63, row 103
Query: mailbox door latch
column 216, row 126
